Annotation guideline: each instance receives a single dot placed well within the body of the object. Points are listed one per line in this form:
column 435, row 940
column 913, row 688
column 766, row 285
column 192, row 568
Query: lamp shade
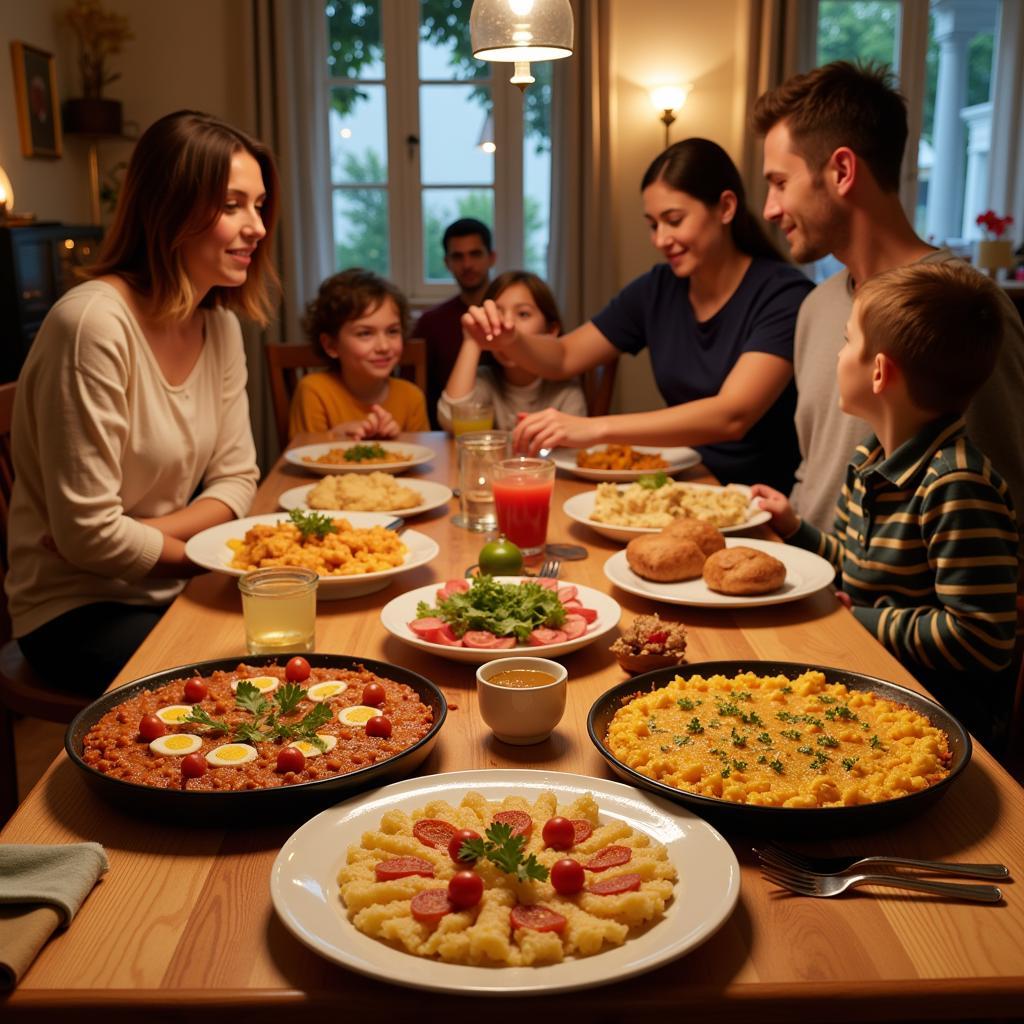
column 515, row 31
column 669, row 97
column 6, row 191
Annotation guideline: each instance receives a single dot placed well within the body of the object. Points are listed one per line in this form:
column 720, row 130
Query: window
column 945, row 68
column 419, row 133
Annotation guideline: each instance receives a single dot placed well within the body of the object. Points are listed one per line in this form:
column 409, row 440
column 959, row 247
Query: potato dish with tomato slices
column 508, row 882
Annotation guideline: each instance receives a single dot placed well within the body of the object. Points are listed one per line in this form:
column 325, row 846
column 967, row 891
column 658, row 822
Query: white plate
column 304, row 889
column 400, row 611
column 581, row 507
column 433, row 495
column 210, row 550
column 417, row 453
column 806, row 573
column 678, row 459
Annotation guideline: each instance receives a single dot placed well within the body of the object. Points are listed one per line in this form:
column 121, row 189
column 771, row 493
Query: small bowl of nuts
column 649, row 642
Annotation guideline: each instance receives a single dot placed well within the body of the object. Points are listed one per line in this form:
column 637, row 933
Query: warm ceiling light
column 520, row 31
column 6, row 193
column 668, row 99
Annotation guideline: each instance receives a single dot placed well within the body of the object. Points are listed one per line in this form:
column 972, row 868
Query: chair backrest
column 285, row 361
column 598, row 385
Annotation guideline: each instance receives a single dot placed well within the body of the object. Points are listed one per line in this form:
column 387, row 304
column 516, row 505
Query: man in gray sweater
column 833, row 145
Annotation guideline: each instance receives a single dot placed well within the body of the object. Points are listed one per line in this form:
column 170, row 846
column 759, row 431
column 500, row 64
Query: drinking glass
column 522, row 498
column 470, row 417
column 279, row 609
column 478, row 453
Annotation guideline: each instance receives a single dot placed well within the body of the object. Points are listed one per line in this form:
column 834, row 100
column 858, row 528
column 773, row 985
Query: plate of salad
column 359, row 457
column 490, row 616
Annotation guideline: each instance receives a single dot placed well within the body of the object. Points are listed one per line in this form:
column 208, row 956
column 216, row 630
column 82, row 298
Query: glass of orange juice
column 279, row 609
column 470, row 416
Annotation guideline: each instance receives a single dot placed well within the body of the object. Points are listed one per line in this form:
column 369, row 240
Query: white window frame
column 400, row 21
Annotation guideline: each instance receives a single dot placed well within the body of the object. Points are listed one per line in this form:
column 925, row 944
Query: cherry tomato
column 150, row 727
column 465, row 888
column 430, row 905
column 456, row 844
column 290, row 759
column 196, row 690
column 567, row 876
column 379, row 725
column 374, row 695
column 434, row 832
column 559, row 833
column 193, row 765
column 297, row 670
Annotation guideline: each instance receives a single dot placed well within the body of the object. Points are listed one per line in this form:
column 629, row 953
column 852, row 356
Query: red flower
column 993, row 223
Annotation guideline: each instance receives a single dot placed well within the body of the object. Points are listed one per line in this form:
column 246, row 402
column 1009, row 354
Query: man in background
column 469, row 256
column 833, row 144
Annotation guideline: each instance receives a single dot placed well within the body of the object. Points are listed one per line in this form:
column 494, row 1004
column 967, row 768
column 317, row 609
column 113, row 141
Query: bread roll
column 743, row 571
column 664, row 559
column 707, row 537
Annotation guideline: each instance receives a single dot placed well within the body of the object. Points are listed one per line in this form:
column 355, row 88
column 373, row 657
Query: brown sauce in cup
column 521, row 678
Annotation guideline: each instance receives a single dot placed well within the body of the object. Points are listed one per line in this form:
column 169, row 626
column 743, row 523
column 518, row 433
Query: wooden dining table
column 182, row 925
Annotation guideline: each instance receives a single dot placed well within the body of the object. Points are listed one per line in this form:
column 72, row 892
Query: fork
column 550, row 568
column 833, row 865
column 806, row 884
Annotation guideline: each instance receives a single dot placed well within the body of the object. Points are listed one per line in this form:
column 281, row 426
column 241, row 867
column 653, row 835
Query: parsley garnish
column 312, row 524
column 776, row 766
column 827, row 741
column 506, row 851
column 695, row 727
column 681, row 741
column 200, row 717
column 737, row 739
column 790, row 734
column 685, row 704
column 849, row 762
column 765, row 739
column 875, row 742
column 364, row 453
column 652, row 481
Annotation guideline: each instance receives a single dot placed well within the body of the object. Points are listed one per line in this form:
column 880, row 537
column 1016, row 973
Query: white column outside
column 978, row 120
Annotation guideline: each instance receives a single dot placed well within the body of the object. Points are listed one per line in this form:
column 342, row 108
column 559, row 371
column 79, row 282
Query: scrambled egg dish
column 363, row 492
column 637, row 505
column 777, row 742
column 345, row 552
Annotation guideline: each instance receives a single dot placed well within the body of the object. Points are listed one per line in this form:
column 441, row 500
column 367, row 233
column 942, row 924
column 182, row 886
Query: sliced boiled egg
column 175, row 744
column 230, row 754
column 311, row 749
column 358, row 714
column 320, row 692
column 265, row 684
column 174, row 714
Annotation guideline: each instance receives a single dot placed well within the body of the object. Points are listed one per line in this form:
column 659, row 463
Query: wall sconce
column 520, row 31
column 669, row 99
column 6, row 194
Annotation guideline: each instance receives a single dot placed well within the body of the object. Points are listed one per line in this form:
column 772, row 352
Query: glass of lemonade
column 478, row 453
column 279, row 609
column 470, row 416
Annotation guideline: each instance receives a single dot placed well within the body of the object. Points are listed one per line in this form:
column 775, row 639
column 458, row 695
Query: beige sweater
column 100, row 439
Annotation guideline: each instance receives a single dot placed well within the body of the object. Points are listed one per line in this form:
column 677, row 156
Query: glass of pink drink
column 522, row 497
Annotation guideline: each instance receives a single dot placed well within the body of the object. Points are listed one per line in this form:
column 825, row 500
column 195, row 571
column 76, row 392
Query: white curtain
column 1006, row 157
column 581, row 260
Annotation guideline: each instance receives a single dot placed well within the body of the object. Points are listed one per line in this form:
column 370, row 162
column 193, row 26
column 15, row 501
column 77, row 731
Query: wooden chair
column 598, row 385
column 284, row 363
column 21, row 693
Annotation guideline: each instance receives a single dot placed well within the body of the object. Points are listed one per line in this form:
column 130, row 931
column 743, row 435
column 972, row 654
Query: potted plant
column 993, row 251
column 101, row 34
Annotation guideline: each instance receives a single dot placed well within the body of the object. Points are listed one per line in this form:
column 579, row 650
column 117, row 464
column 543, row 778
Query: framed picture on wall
column 35, row 96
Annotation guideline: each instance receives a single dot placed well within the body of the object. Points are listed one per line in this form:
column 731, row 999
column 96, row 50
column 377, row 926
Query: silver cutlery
column 804, row 883
column 550, row 568
column 834, row 865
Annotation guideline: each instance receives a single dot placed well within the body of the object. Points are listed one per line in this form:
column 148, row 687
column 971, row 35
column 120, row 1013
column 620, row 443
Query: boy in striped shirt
column 925, row 538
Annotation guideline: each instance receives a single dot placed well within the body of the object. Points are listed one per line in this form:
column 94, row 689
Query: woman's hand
column 784, row 520
column 378, row 424
column 486, row 326
column 550, row 428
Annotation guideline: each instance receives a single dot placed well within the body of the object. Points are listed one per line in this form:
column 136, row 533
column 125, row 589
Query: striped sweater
column 926, row 543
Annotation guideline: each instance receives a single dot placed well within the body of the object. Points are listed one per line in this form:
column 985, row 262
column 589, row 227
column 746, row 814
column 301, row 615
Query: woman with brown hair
column 131, row 427
column 717, row 315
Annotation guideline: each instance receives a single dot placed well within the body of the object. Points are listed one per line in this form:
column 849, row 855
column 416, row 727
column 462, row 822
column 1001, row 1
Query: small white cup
column 521, row 715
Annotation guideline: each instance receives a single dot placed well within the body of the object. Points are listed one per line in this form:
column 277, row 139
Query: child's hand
column 379, row 424
column 486, row 326
column 550, row 428
column 784, row 520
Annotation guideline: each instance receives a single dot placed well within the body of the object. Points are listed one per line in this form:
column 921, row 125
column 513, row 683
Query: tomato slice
column 583, row 830
column 609, row 857
column 431, row 905
column 519, row 821
column 616, row 885
column 538, row 918
column 434, row 832
column 403, row 867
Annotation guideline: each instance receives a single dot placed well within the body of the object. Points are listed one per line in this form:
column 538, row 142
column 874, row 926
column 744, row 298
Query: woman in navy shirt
column 718, row 317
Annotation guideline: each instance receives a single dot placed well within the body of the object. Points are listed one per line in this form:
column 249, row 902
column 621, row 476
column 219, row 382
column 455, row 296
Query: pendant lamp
column 521, row 31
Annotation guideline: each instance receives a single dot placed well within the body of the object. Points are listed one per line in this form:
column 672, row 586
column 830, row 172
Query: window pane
column 537, row 171
column 858, row 30
column 452, row 120
column 441, row 206
column 354, row 46
column 361, row 229
column 358, row 134
column 445, row 49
